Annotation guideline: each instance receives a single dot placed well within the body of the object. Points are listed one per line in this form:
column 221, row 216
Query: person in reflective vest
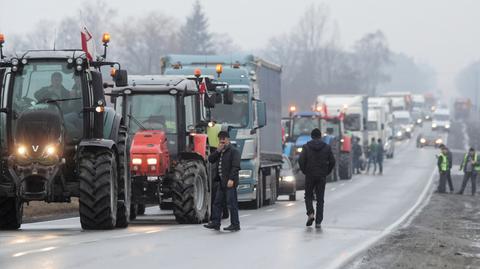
column 443, row 168
column 470, row 169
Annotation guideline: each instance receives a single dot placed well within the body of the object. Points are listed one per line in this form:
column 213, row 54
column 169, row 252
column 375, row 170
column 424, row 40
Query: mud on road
column 445, row 234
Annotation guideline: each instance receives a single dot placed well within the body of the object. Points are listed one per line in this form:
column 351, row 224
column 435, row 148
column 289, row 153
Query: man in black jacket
column 316, row 162
column 227, row 159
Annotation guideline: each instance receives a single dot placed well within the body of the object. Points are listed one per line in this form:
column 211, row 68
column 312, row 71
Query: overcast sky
column 442, row 33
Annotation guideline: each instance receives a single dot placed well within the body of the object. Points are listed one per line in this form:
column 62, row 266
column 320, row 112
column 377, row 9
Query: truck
column 403, row 124
column 462, row 108
column 400, row 100
column 256, row 86
column 380, row 123
column 354, row 109
column 59, row 140
column 441, row 119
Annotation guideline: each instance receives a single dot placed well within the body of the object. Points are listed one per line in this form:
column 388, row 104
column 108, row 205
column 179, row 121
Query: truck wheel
column 124, row 184
column 98, row 189
column 292, row 197
column 258, row 202
column 11, row 213
column 133, row 211
column 273, row 187
column 344, row 166
column 190, row 193
column 140, row 209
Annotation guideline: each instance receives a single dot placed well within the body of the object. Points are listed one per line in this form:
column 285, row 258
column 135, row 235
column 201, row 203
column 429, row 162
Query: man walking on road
column 316, row 161
column 227, row 159
column 357, row 154
column 372, row 155
column 380, row 152
column 449, row 174
column 442, row 164
column 470, row 167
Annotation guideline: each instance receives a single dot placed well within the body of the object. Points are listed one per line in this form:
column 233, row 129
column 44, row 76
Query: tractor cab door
column 3, row 116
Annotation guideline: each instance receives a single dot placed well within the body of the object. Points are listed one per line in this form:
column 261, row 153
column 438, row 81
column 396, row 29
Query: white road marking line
column 290, row 204
column 270, row 210
column 246, row 215
column 19, row 254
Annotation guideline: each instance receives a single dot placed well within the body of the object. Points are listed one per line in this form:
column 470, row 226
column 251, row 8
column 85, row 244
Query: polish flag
column 87, row 43
column 202, row 89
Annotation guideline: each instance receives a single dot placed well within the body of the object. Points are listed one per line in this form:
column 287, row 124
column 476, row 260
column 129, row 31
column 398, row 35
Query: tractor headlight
column 434, row 125
column 408, row 129
column 22, row 150
column 299, row 150
column 447, row 126
column 423, row 140
column 399, row 133
column 152, row 161
column 419, row 120
column 50, row 150
column 245, row 173
column 15, row 61
column 288, row 178
column 136, row 161
column 439, row 141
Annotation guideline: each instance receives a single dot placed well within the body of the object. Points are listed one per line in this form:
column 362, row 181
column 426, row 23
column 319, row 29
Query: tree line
column 313, row 60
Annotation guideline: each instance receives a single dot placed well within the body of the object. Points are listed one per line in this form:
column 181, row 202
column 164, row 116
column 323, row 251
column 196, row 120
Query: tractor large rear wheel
column 11, row 212
column 190, row 193
column 98, row 189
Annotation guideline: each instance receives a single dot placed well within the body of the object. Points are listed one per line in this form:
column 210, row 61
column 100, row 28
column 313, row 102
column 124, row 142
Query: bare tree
column 372, row 54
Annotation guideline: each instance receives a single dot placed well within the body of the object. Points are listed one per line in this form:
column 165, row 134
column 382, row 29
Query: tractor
column 58, row 140
column 168, row 118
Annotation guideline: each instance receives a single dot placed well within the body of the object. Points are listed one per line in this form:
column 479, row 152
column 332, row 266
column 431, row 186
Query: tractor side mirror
column 228, row 97
column 121, row 78
column 209, row 101
column 2, row 75
column 218, row 98
column 113, row 99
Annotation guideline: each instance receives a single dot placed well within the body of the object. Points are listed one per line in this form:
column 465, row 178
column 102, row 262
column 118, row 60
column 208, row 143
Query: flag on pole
column 202, row 89
column 87, row 43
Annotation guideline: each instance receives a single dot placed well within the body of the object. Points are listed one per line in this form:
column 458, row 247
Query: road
column 357, row 213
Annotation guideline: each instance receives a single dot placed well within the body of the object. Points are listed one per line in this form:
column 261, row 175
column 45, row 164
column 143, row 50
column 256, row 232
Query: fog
column 443, row 34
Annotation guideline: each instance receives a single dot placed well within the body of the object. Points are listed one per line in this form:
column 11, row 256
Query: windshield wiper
column 137, row 122
column 48, row 101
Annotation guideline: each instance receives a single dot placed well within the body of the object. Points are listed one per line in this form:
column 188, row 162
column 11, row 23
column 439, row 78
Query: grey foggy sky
column 442, row 33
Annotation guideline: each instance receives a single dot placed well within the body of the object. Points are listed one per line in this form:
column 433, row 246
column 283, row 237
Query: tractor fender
column 97, row 143
column 191, row 156
column 112, row 123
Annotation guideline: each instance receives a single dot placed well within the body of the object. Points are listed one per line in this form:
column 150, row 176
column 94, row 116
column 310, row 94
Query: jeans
column 232, row 203
column 356, row 165
column 317, row 185
column 469, row 176
column 374, row 161
column 380, row 166
column 449, row 180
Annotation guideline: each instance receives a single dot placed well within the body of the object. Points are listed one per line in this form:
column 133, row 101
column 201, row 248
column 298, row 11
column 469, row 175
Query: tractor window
column 353, row 122
column 189, row 112
column 304, row 125
column 154, row 112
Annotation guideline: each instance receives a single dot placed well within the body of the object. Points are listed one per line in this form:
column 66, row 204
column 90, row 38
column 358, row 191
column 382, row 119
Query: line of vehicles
column 67, row 131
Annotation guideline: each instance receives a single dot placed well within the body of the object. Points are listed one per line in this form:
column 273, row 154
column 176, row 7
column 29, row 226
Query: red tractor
column 167, row 118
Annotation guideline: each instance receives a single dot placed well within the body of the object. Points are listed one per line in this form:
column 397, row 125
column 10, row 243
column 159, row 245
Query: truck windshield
column 235, row 115
column 402, row 121
column 153, row 112
column 441, row 117
column 304, row 125
column 372, row 126
column 353, row 122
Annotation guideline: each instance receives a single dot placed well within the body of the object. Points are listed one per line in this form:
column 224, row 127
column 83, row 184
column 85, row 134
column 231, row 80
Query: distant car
column 288, row 184
column 433, row 139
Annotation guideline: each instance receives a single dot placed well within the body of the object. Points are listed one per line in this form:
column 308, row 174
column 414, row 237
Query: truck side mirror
column 209, row 101
column 121, row 78
column 228, row 97
column 261, row 114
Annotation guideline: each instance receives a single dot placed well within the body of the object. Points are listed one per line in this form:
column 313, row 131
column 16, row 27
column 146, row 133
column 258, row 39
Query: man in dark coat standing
column 316, row 162
column 227, row 158
column 357, row 155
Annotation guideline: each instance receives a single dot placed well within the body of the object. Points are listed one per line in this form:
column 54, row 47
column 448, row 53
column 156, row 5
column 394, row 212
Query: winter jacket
column 316, row 159
column 230, row 164
column 380, row 152
column 357, row 151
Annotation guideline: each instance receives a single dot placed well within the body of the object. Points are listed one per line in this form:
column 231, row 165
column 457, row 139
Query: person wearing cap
column 450, row 162
column 443, row 166
column 316, row 161
column 470, row 168
column 227, row 160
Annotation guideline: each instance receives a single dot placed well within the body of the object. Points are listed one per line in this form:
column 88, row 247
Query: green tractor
column 58, row 140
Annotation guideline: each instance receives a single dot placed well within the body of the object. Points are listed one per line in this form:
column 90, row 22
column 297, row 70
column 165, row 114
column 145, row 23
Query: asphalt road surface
column 358, row 212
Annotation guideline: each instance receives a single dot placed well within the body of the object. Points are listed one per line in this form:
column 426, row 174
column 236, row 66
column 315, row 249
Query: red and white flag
column 88, row 45
column 202, row 89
